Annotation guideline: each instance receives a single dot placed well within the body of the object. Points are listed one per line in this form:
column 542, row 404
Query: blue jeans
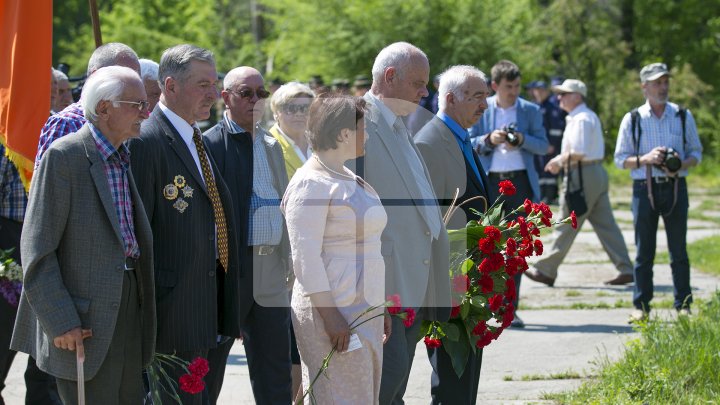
column 645, row 220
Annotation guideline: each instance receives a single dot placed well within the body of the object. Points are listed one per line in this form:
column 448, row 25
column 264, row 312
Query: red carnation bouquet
column 191, row 382
column 486, row 255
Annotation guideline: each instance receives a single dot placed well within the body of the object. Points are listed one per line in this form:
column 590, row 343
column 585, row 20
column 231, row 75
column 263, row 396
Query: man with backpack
column 658, row 142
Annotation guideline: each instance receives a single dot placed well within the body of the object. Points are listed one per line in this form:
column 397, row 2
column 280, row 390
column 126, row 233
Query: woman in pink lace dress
column 335, row 220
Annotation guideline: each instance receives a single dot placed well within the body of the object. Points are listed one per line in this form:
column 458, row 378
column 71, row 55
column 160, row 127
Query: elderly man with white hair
column 149, row 74
column 414, row 242
column 454, row 166
column 64, row 93
column 87, row 253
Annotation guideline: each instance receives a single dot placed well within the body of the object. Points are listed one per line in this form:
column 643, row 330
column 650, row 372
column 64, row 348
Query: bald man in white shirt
column 583, row 146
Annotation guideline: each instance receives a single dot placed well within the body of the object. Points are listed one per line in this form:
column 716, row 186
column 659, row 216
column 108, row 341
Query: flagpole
column 95, row 22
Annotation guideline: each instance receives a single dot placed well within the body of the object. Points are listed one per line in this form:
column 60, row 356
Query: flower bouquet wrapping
column 486, row 254
column 11, row 277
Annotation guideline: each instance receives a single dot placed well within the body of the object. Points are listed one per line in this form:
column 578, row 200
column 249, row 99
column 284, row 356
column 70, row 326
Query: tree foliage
column 602, row 42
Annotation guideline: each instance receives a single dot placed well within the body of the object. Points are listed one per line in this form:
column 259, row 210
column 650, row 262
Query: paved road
column 518, row 367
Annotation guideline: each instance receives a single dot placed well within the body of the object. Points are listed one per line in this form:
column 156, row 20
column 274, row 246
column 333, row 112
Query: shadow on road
column 587, row 328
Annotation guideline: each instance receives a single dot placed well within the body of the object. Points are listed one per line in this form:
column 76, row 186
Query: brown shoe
column 621, row 280
column 535, row 275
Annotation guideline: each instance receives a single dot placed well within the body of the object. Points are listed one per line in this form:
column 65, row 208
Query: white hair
column 287, row 92
column 149, row 70
column 108, row 55
column 453, row 79
column 59, row 75
column 399, row 55
column 106, row 83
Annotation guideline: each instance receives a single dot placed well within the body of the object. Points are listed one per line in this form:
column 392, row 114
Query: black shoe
column 535, row 275
column 517, row 322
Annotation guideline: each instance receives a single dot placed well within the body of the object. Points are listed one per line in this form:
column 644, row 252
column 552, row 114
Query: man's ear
column 170, row 85
column 494, row 86
column 390, row 74
column 102, row 110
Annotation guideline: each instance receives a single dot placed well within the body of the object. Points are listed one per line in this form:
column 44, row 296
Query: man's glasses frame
column 295, row 108
column 140, row 105
column 249, row 93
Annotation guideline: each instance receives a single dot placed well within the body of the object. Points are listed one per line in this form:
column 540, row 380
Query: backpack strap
column 635, row 124
column 682, row 112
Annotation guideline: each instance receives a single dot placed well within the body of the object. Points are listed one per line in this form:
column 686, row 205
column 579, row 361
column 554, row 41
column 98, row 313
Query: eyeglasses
column 249, row 93
column 140, row 105
column 295, row 108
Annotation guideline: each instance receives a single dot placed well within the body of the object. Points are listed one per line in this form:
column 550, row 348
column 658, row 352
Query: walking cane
column 81, row 374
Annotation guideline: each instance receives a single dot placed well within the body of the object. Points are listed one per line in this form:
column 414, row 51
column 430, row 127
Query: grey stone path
column 522, row 364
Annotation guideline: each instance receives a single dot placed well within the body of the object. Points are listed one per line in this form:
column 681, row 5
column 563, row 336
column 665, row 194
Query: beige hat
column 653, row 71
column 571, row 86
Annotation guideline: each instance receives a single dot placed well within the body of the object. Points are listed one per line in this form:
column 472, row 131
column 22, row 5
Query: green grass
column 658, row 302
column 671, row 363
column 704, row 255
column 564, row 375
column 572, row 293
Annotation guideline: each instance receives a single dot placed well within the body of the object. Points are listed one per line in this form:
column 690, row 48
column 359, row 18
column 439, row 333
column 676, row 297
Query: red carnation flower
column 527, row 205
column 199, row 367
column 523, row 227
column 573, row 220
column 432, row 343
column 461, row 283
column 486, row 245
column 511, row 266
column 526, row 248
column 495, row 302
column 506, row 188
column 479, row 329
column 521, row 263
column 455, row 312
column 545, row 209
column 486, row 284
column 538, row 247
column 510, row 292
column 533, row 229
column 492, row 233
column 409, row 318
column 485, row 340
column 394, row 308
column 507, row 318
column 546, row 221
column 510, row 247
column 191, row 384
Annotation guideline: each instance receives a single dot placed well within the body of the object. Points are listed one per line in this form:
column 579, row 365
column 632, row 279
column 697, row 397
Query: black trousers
column 446, row 388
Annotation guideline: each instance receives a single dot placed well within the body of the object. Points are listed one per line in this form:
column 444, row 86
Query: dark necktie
column 220, row 224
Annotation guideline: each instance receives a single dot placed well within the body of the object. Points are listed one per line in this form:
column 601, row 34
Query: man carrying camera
column 658, row 142
column 507, row 137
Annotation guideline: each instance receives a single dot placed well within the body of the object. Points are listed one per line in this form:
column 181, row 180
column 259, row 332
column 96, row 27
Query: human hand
column 498, row 136
column 336, row 328
column 654, row 157
column 553, row 166
column 72, row 339
column 387, row 328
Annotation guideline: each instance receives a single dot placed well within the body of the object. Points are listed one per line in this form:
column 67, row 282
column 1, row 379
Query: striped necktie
column 220, row 224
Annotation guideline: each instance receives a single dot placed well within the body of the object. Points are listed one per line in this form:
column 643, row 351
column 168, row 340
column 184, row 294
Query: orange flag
column 25, row 61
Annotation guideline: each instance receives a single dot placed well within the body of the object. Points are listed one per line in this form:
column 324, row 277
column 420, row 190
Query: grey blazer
column 74, row 260
column 416, row 267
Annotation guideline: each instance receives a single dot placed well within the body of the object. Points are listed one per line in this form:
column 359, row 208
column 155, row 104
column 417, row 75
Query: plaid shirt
column 13, row 199
column 663, row 131
column 67, row 121
column 265, row 216
column 117, row 163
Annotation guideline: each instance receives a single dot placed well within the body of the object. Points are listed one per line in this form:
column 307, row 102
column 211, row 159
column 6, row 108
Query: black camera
column 671, row 161
column 511, row 137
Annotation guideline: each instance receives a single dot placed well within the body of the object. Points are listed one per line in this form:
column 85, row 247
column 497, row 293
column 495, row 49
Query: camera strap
column 649, row 181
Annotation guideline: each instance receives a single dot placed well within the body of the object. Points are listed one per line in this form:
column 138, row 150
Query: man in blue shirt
column 444, row 144
column 507, row 156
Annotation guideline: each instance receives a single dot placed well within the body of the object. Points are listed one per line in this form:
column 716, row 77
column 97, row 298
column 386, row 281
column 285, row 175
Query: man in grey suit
column 455, row 169
column 87, row 250
column 252, row 165
column 189, row 206
column 414, row 242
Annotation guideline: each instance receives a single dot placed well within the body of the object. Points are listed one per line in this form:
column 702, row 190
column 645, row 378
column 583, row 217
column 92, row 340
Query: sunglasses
column 249, row 93
column 296, row 108
column 140, row 105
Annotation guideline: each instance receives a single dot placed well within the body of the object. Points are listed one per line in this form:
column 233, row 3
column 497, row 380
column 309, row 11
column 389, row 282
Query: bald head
column 113, row 54
column 244, row 94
